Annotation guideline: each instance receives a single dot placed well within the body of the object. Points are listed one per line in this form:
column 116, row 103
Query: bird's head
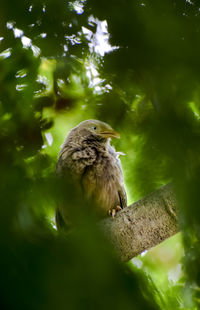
column 97, row 129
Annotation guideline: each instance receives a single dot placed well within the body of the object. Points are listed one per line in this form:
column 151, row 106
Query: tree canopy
column 135, row 65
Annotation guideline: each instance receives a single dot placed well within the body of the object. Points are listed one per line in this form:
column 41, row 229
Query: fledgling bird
column 93, row 164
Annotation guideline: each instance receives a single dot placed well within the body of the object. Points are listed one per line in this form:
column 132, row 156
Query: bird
column 88, row 158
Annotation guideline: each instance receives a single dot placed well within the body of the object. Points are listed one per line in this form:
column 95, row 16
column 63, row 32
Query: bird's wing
column 75, row 160
column 72, row 165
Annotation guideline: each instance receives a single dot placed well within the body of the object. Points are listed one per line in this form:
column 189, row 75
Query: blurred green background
column 135, row 65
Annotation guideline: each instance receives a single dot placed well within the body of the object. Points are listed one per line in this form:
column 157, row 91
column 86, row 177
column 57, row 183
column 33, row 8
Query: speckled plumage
column 94, row 164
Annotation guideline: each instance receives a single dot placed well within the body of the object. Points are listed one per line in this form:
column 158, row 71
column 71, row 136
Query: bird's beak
column 110, row 134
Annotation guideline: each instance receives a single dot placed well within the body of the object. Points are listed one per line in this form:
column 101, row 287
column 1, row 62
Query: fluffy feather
column 87, row 156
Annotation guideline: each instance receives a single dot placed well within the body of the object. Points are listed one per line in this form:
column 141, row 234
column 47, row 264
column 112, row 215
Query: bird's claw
column 112, row 212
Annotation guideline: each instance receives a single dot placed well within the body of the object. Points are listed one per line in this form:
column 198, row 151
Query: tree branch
column 144, row 224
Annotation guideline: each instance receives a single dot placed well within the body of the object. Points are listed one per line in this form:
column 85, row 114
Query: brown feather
column 93, row 164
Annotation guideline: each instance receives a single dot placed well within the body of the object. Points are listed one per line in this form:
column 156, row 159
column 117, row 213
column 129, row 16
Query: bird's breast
column 102, row 181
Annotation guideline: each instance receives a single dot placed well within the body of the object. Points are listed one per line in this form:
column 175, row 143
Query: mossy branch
column 144, row 224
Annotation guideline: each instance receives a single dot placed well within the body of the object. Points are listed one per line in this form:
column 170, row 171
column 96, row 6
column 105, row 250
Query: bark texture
column 144, row 224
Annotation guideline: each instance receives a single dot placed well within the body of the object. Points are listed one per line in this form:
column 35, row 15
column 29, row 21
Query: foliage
column 55, row 73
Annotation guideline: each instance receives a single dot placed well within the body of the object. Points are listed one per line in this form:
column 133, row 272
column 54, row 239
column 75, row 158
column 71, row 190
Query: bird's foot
column 114, row 211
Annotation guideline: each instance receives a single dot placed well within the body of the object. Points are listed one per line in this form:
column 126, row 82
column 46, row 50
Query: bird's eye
column 94, row 127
